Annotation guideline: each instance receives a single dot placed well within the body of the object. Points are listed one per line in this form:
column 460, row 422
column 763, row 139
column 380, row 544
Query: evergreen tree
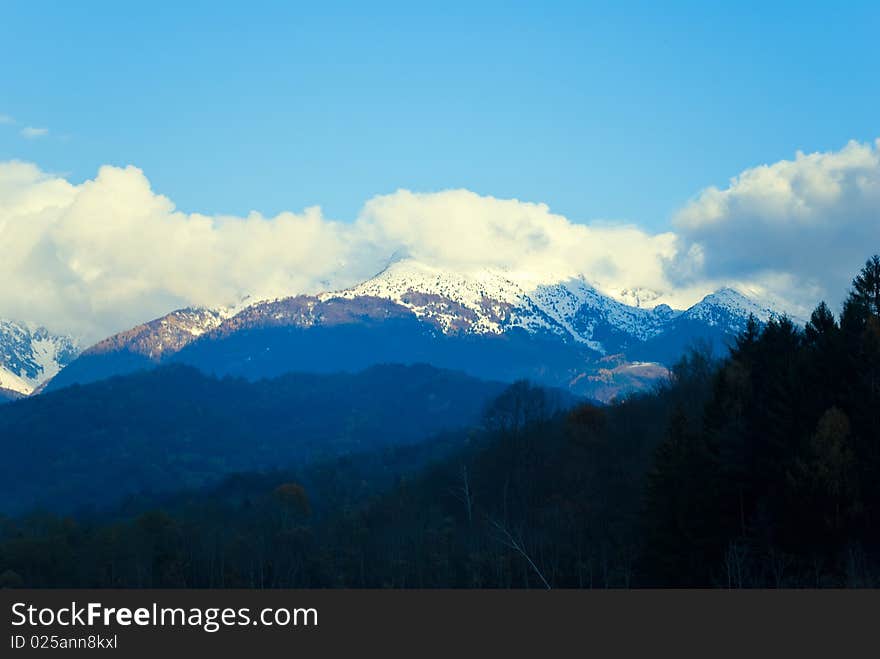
column 866, row 286
column 681, row 509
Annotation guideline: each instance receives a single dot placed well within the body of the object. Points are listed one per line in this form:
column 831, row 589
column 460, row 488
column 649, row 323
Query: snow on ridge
column 170, row 332
column 486, row 293
column 730, row 301
column 499, row 300
column 473, row 300
column 16, row 383
column 30, row 355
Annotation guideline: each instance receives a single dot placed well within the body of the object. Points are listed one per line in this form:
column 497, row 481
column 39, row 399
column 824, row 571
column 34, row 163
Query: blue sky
column 601, row 110
column 546, row 139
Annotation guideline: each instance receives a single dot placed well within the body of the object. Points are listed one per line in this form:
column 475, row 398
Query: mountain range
column 488, row 323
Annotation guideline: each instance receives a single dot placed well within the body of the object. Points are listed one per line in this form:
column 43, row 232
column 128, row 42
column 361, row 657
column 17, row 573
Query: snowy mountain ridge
column 587, row 338
column 487, row 301
column 31, row 355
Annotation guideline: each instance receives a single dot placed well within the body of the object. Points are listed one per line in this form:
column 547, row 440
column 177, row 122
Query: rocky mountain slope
column 30, row 356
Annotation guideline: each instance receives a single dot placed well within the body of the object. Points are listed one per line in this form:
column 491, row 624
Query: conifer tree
column 866, row 286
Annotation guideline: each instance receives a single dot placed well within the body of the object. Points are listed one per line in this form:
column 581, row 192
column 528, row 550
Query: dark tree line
column 758, row 469
column 779, row 482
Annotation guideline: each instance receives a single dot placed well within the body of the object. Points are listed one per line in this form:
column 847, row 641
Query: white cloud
column 104, row 255
column 6, row 119
column 30, row 132
column 798, row 228
column 109, row 253
column 460, row 229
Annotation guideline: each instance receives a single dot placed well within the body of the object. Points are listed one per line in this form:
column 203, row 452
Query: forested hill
column 176, row 428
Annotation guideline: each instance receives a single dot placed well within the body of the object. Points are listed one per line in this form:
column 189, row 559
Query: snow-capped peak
column 729, row 301
column 492, row 301
column 31, row 355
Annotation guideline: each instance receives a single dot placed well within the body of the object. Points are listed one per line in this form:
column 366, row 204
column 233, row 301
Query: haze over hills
column 489, row 323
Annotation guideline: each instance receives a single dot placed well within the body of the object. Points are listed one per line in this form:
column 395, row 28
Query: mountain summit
column 30, row 356
column 487, row 301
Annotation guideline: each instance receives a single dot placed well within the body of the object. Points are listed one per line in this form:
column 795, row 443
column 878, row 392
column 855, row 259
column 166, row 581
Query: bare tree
column 464, row 494
column 517, row 545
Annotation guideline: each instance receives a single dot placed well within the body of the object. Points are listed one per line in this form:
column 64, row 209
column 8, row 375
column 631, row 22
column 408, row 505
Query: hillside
column 174, row 428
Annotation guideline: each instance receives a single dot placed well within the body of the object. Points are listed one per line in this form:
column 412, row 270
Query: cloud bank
column 101, row 256
column 801, row 226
